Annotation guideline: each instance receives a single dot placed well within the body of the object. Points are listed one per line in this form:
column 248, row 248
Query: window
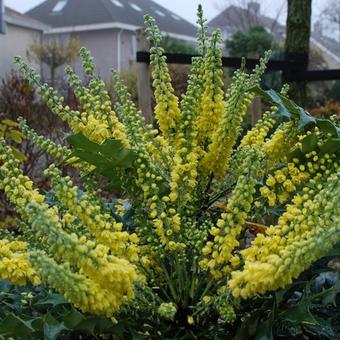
column 159, row 13
column 117, row 3
column 2, row 17
column 136, row 7
column 134, row 46
column 176, row 17
column 59, row 6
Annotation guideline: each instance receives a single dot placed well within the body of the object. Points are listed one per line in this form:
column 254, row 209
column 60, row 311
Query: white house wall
column 15, row 41
column 103, row 46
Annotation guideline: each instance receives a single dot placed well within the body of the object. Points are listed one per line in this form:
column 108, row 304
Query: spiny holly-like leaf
column 275, row 98
column 328, row 127
column 13, row 325
column 52, row 327
column 109, row 157
column 309, row 143
column 265, row 330
column 305, row 118
column 111, row 152
column 287, row 109
column 331, row 145
column 52, row 299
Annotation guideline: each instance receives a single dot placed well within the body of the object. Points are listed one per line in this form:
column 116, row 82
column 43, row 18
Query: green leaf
column 335, row 251
column 287, row 109
column 52, row 299
column 13, row 325
column 265, row 330
column 275, row 98
column 300, row 313
column 327, row 126
column 73, row 319
column 52, row 327
column 109, row 158
column 305, row 118
column 309, row 143
column 331, row 146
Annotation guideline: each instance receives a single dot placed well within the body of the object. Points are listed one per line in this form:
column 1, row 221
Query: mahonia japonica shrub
column 195, row 185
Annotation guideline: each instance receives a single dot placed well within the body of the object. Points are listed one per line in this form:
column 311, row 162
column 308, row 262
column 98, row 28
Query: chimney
column 254, row 7
column 318, row 29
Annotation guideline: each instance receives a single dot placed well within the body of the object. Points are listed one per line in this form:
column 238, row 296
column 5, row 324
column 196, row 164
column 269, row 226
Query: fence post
column 255, row 110
column 256, row 105
column 144, row 82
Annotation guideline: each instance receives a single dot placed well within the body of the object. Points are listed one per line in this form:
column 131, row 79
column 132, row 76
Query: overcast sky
column 187, row 8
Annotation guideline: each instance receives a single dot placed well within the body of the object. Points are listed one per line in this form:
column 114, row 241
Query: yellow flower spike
column 14, row 263
column 273, row 262
column 167, row 110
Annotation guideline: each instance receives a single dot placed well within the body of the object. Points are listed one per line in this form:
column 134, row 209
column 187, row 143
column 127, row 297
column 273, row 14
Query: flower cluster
column 196, row 194
column 14, row 263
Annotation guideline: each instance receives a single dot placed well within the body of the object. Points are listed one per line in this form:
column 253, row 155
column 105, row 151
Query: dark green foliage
column 255, row 42
column 308, row 308
column 172, row 45
column 36, row 313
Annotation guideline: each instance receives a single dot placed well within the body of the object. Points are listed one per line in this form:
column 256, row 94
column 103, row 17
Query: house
column 108, row 27
column 17, row 33
column 234, row 19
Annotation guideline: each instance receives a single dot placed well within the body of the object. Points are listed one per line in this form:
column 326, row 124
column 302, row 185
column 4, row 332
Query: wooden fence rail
column 294, row 69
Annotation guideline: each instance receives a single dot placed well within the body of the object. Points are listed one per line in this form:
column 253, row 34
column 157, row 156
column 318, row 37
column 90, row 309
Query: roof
column 13, row 17
column 324, row 42
column 235, row 18
column 103, row 13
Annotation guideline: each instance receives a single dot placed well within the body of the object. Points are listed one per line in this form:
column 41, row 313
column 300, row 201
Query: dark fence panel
column 293, row 70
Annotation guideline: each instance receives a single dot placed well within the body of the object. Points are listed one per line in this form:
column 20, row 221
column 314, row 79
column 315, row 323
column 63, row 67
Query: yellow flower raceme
column 225, row 134
column 93, row 260
column 212, row 100
column 280, row 143
column 14, row 264
column 309, row 228
column 282, row 183
column 18, row 188
column 256, row 136
column 101, row 225
column 232, row 221
column 167, row 110
column 81, row 291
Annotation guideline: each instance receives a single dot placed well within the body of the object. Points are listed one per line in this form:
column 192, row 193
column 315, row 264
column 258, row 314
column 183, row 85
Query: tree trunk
column 297, row 42
column 53, row 76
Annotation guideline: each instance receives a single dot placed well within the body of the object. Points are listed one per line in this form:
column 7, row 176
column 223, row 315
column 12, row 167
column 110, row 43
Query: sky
column 187, row 8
